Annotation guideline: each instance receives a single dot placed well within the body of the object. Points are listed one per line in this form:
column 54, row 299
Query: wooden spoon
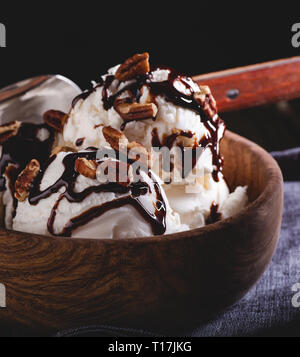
column 254, row 85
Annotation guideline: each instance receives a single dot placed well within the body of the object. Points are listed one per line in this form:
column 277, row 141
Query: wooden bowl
column 53, row 283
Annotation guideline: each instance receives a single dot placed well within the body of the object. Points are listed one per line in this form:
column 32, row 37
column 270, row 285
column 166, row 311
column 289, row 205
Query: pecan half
column 207, row 101
column 135, row 111
column 86, row 167
column 9, row 130
column 115, row 138
column 200, row 96
column 133, row 66
column 56, row 119
column 119, row 142
column 25, row 179
column 59, row 149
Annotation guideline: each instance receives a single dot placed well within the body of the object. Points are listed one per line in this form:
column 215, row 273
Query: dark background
column 81, row 40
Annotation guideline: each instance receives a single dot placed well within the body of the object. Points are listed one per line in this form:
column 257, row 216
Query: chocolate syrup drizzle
column 214, row 215
column 86, row 93
column 135, row 192
column 168, row 141
column 169, row 90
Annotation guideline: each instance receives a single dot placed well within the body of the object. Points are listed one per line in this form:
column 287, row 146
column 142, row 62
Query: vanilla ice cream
column 154, row 110
column 66, row 202
column 185, row 116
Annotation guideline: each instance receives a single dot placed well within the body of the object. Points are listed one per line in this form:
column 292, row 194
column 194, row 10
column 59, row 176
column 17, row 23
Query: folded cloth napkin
column 271, row 307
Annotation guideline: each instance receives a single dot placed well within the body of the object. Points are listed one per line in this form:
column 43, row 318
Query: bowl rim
column 274, row 174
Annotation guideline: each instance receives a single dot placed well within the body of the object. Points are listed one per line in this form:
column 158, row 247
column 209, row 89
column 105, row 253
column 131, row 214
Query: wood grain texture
column 54, row 283
column 254, row 85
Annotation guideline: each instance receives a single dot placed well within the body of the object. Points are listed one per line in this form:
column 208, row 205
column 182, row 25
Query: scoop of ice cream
column 70, row 199
column 152, row 109
column 162, row 109
column 206, row 202
column 95, row 108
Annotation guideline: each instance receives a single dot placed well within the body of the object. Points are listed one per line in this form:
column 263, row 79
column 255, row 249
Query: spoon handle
column 254, row 85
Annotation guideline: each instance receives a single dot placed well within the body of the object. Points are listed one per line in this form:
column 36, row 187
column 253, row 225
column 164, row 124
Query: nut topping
column 185, row 138
column 9, row 130
column 133, row 66
column 115, row 138
column 25, row 179
column 86, row 167
column 135, row 111
column 206, row 100
column 200, row 96
column 55, row 119
column 119, row 142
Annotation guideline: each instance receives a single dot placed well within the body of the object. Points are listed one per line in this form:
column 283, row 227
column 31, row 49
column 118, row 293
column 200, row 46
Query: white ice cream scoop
column 67, row 201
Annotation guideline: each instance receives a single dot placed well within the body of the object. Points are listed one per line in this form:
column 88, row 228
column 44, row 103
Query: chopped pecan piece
column 25, row 180
column 133, row 66
column 8, row 130
column 115, row 138
column 136, row 111
column 119, row 142
column 185, row 138
column 200, row 96
column 207, row 101
column 86, row 167
column 59, row 148
column 56, row 119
